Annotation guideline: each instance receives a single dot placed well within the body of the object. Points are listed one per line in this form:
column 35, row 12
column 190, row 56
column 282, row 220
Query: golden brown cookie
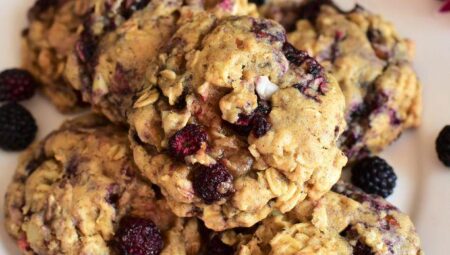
column 79, row 192
column 233, row 122
column 345, row 222
column 373, row 66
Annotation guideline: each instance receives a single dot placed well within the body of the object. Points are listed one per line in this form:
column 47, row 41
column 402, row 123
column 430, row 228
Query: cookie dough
column 346, row 221
column 233, row 122
column 71, row 190
column 373, row 66
column 110, row 70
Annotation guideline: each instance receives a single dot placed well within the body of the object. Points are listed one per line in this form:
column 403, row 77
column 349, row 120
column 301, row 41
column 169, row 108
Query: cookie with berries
column 373, row 65
column 345, row 222
column 109, row 70
column 53, row 35
column 79, row 192
column 233, row 122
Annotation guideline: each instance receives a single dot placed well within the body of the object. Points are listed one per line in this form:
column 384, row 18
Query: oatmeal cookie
column 373, row 66
column 52, row 35
column 347, row 222
column 233, row 122
column 79, row 192
column 109, row 70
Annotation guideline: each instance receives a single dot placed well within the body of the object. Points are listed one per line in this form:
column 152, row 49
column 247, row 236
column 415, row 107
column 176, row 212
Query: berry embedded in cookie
column 233, row 122
column 79, row 192
column 187, row 141
column 108, row 69
column 138, row 236
column 373, row 66
column 54, row 34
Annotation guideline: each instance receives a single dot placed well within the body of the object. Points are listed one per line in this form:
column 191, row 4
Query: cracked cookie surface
column 373, row 66
column 233, row 122
column 71, row 190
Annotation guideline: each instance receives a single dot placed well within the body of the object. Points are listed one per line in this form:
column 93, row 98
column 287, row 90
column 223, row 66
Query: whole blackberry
column 443, row 145
column 375, row 176
column 16, row 85
column 137, row 236
column 187, row 141
column 212, row 183
column 17, row 127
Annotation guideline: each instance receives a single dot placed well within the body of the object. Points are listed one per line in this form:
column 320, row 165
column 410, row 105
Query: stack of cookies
column 220, row 127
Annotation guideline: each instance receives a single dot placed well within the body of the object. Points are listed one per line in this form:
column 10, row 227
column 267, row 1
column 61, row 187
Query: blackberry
column 137, row 236
column 260, row 126
column 257, row 121
column 16, row 85
column 212, row 183
column 443, row 145
column 375, row 176
column 17, row 127
column 187, row 141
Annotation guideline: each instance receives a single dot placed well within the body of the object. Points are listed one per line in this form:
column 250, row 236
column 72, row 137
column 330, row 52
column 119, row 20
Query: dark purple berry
column 212, row 183
column 296, row 57
column 375, row 176
column 215, row 246
column 16, row 85
column 17, row 127
column 443, row 145
column 187, row 141
column 313, row 67
column 257, row 121
column 260, row 126
column 137, row 236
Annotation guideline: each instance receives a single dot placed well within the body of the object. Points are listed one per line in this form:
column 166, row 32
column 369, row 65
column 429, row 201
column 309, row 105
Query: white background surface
column 424, row 183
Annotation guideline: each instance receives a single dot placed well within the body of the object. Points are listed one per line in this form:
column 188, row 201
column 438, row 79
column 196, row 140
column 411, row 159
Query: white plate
column 424, row 183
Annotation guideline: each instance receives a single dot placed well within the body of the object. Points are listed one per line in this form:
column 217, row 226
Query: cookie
column 110, row 71
column 49, row 38
column 79, row 192
column 53, row 34
column 233, row 122
column 373, row 66
column 346, row 221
